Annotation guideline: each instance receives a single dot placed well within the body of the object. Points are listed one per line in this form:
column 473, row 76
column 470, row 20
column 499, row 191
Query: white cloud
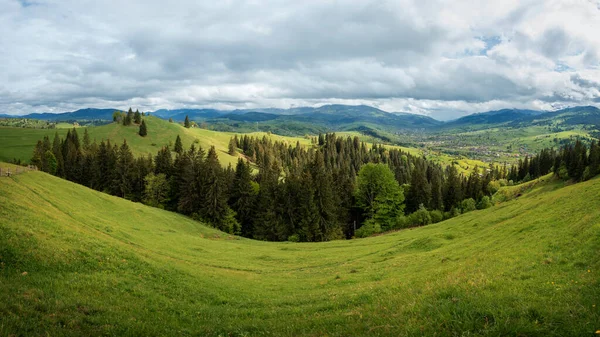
column 432, row 57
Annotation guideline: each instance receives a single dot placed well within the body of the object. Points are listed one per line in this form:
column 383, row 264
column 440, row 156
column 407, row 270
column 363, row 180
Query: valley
column 86, row 263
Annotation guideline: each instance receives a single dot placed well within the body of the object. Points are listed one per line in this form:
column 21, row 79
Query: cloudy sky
column 441, row 58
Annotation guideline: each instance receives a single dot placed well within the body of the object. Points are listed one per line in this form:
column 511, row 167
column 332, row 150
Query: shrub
column 468, row 205
column 563, row 173
column 401, row 222
column 369, row 228
column 420, row 217
column 436, row 216
column 484, row 203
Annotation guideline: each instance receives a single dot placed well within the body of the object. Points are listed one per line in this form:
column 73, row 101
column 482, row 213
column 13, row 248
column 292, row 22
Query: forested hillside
column 340, row 188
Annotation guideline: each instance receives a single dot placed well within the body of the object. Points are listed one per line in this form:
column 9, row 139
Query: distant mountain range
column 581, row 115
column 348, row 117
column 82, row 114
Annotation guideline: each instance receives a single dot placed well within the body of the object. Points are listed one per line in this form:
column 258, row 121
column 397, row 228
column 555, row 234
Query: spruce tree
column 129, row 118
column 437, row 197
column 215, row 207
column 327, row 226
column 187, row 123
column 594, row 159
column 56, row 150
column 122, row 185
column 452, row 188
column 137, row 117
column 51, row 162
column 231, row 147
column 266, row 218
column 178, row 145
column 192, row 178
column 243, row 195
column 143, row 129
column 420, row 190
column 86, row 140
column 163, row 162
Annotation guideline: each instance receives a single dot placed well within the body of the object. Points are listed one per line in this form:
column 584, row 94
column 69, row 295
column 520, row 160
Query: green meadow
column 19, row 142
column 75, row 262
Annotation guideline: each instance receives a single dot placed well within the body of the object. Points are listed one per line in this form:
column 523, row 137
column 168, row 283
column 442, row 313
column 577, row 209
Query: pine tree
column 157, row 190
column 142, row 167
column 266, row 218
column 56, row 150
column 86, row 140
column 51, row 162
column 232, row 147
column 143, row 129
column 243, row 195
column 452, row 188
column 122, row 185
column 72, row 155
column 163, row 162
column 38, row 155
column 594, row 159
column 420, row 190
column 437, row 197
column 129, row 118
column 215, row 206
column 192, row 178
column 187, row 123
column 178, row 145
column 137, row 117
column 327, row 226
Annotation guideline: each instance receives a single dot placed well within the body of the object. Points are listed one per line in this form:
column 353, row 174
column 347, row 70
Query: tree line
column 337, row 188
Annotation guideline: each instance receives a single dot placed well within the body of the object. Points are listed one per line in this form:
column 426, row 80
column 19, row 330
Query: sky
column 444, row 58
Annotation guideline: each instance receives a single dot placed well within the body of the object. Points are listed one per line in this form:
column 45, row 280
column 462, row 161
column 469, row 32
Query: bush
column 294, row 238
column 420, row 217
column 436, row 216
column 468, row 205
column 494, row 186
column 484, row 203
column 563, row 173
column 401, row 222
column 368, row 229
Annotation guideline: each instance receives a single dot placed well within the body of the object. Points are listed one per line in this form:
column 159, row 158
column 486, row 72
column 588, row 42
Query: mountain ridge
column 340, row 116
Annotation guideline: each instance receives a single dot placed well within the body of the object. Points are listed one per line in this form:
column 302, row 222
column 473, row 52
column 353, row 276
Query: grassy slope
column 19, row 142
column 97, row 265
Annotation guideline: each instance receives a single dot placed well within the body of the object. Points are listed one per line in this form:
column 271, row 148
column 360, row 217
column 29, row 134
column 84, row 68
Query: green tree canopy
column 379, row 194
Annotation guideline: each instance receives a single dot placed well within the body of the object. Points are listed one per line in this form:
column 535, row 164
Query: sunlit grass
column 96, row 264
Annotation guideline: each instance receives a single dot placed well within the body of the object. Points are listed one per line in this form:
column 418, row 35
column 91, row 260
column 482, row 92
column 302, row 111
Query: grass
column 78, row 262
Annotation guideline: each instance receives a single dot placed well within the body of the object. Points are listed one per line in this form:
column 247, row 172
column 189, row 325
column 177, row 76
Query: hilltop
column 19, row 142
column 524, row 267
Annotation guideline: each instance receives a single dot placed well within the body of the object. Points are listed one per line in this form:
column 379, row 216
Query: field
column 86, row 263
column 500, row 144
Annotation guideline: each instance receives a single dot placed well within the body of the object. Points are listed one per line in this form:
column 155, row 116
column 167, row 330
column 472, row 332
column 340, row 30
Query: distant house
column 75, row 124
